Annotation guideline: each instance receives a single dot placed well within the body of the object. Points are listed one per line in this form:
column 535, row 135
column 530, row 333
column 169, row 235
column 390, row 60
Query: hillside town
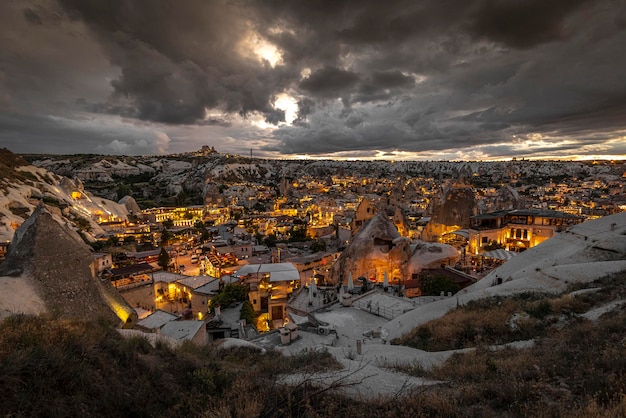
column 277, row 253
column 343, row 264
column 312, row 208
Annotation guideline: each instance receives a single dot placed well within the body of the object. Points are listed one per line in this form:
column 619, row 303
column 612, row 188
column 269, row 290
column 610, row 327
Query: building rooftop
column 166, row 276
column 132, row 269
column 195, row 282
column 156, row 320
column 181, row 330
column 277, row 271
column 545, row 213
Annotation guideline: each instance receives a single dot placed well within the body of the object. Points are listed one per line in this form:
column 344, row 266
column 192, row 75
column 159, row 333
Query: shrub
column 232, row 292
column 247, row 312
column 434, row 285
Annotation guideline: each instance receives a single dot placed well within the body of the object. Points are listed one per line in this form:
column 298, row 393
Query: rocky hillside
column 582, row 254
column 23, row 186
column 159, row 180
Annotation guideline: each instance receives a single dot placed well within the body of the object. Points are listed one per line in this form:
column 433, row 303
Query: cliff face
column 53, row 258
column 453, row 209
column 375, row 249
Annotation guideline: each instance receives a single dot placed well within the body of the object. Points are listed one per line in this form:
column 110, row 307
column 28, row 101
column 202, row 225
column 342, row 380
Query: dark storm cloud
column 329, row 82
column 523, row 23
column 367, row 76
column 179, row 59
column 382, row 85
column 566, row 84
column 36, row 134
column 32, row 16
column 306, row 106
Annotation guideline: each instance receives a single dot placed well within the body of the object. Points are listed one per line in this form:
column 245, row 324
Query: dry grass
column 577, row 369
column 485, row 322
column 499, row 320
column 580, row 367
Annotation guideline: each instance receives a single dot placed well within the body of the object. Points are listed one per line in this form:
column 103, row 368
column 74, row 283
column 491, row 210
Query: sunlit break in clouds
column 399, row 80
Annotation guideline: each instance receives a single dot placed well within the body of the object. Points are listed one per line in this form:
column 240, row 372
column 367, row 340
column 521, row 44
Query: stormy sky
column 354, row 79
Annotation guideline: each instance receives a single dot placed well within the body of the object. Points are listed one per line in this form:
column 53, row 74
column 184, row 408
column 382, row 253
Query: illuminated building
column 517, row 230
column 270, row 286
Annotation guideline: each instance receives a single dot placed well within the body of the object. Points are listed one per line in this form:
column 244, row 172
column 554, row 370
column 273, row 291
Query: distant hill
column 158, row 180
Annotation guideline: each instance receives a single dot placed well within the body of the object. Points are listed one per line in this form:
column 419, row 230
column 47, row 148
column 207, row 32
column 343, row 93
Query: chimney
column 218, row 311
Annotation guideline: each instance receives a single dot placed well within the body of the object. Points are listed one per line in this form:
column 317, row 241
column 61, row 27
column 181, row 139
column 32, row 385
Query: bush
column 434, row 285
column 231, row 293
column 247, row 313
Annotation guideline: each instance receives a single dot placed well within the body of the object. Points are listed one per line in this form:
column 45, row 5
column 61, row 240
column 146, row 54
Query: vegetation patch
column 500, row 320
column 579, row 371
column 482, row 322
column 53, row 367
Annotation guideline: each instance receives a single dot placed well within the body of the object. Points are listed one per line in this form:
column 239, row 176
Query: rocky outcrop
column 130, row 204
column 454, row 208
column 52, row 258
column 377, row 248
column 24, row 186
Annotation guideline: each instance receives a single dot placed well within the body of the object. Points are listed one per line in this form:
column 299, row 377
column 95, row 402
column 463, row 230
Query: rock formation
column 375, row 249
column 130, row 204
column 47, row 255
column 452, row 210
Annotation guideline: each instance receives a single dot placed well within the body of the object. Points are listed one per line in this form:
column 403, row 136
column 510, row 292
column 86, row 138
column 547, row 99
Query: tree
column 97, row 245
column 298, row 233
column 493, row 245
column 181, row 198
column 164, row 259
column 259, row 207
column 168, row 223
column 166, row 236
column 270, row 240
column 232, row 292
column 201, row 227
column 247, row 312
column 122, row 191
column 317, row 246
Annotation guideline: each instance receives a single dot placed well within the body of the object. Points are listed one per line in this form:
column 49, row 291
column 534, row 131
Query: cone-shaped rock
column 376, row 247
column 50, row 256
